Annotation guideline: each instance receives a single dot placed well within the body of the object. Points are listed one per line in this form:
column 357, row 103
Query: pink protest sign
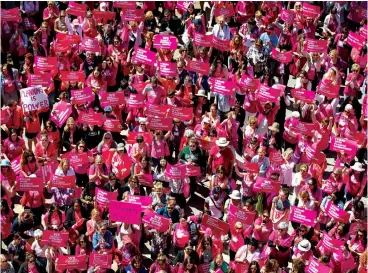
column 303, row 95
column 15, row 164
column 313, row 155
column 144, row 201
column 154, row 110
column 249, row 83
column 61, row 46
column 337, row 213
column 222, row 45
column 10, row 15
column 283, row 58
column 168, row 69
column 318, row 46
column 227, row 12
column 30, row 184
column 146, row 180
column 358, row 137
column 124, row 5
column 303, row 128
column 39, row 79
column 183, row 5
column 91, row 118
column 287, row 16
column 192, row 170
column 133, row 135
column 216, row 225
column 364, row 30
column 90, row 45
column 223, row 87
column 71, row 38
column 33, row 98
column 182, row 113
column 303, row 216
column 328, row 89
column 135, row 15
column 156, row 221
column 112, row 125
column 266, row 185
column 104, row 197
column 62, row 182
column 267, row 93
column 331, row 243
column 202, row 39
column 136, row 101
column 176, row 172
column 356, row 40
column 315, row 266
column 241, row 267
column 276, row 158
column 311, row 10
column 248, row 167
column 101, row 260
column 163, row 41
column 77, row 9
column 103, row 16
column 71, row 262
column 55, row 238
column 61, row 113
column 112, row 98
column 204, row 268
column 45, row 63
column 163, row 124
column 127, row 213
column 339, row 144
column 82, row 96
column 76, row 159
column 142, row 55
column 198, row 67
column 75, row 76
column 4, row 116
column 239, row 215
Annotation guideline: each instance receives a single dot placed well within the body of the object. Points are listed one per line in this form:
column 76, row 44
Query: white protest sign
column 33, row 98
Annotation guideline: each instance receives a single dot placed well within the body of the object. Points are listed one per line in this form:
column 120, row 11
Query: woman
column 331, row 24
column 358, row 242
column 356, row 180
column 188, row 266
column 96, row 81
column 92, row 224
column 39, row 248
column 221, row 180
column 35, row 201
column 206, row 250
column 132, row 187
column 230, row 126
column 354, row 81
column 28, row 164
column 14, row 145
column 221, row 30
column 81, row 170
column 215, row 202
column 161, row 265
column 301, row 178
column 54, row 218
column 160, row 148
column 280, row 210
column 339, row 232
column 323, row 219
column 53, row 134
column 159, row 198
column 305, row 201
column 60, row 24
column 314, row 191
column 88, row 197
column 219, row 264
column 345, row 121
column 102, row 240
column 6, row 220
column 33, row 126
column 248, row 253
column 64, row 168
column 107, row 143
column 262, row 227
column 76, row 217
column 83, row 245
column 139, row 148
column 9, row 83
column 135, row 265
column 299, row 58
column 31, row 265
column 280, row 242
column 287, row 168
column 71, row 135
column 6, row 266
column 254, row 267
column 98, row 172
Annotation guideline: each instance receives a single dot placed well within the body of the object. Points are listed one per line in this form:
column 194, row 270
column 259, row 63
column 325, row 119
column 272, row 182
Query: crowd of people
column 162, row 137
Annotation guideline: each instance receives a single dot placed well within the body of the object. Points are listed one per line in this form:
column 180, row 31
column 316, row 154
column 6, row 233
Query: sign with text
column 154, row 110
column 10, row 15
column 282, row 57
column 317, row 46
column 77, row 9
column 91, row 118
column 176, row 172
column 33, row 98
column 74, row 76
column 266, row 185
column 82, row 96
column 168, row 69
column 76, row 159
column 198, row 67
column 216, row 225
column 303, row 95
column 112, row 98
column 45, row 63
column 182, row 113
column 267, row 93
column 62, row 182
column 156, row 221
column 163, row 124
column 223, row 87
column 146, row 180
column 337, row 213
column 71, row 262
column 303, row 216
column 101, row 260
column 222, row 45
column 240, row 215
column 39, row 79
column 248, row 166
column 249, row 83
column 104, row 197
column 202, row 39
column 61, row 113
column 315, row 266
column 328, row 89
column 127, row 213
column 90, row 45
column 142, row 55
column 55, row 238
column 311, row 10
column 163, row 41
column 339, row 144
column 135, row 15
column 356, row 40
column 30, row 184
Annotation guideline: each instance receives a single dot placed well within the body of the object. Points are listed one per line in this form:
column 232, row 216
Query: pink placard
column 127, row 213
column 163, row 41
column 144, row 201
column 248, row 166
column 183, row 5
column 112, row 98
column 327, row 89
column 61, row 46
column 266, row 185
column 142, row 55
column 202, row 39
column 249, row 83
column 112, row 125
column 267, row 93
column 287, row 16
column 71, row 38
column 133, row 135
column 303, row 216
column 311, row 10
column 103, row 16
column 76, row 76
column 45, row 63
column 176, row 172
column 156, row 221
column 303, row 128
column 90, row 45
column 10, row 15
column 223, row 87
column 55, row 238
column 102, row 260
column 15, row 164
column 62, row 112
column 222, row 45
column 364, row 30
column 198, row 67
column 216, row 225
column 135, row 15
column 206, row 144
column 71, row 262
column 355, row 226
column 91, row 118
column 136, row 101
column 146, row 180
column 276, row 158
column 356, row 40
column 337, row 213
column 192, row 170
column 303, row 95
column 339, row 144
column 62, row 182
column 313, row 45
column 315, row 266
column 4, row 116
column 313, row 155
column 39, row 79
column 331, row 243
column 241, row 267
column 283, row 58
column 168, row 69
column 227, row 12
column 82, row 96
column 163, row 124
column 204, row 268
column 77, row 9
column 154, row 110
column 104, row 197
column 240, row 215
column 358, row 137
column 182, row 113
column 30, row 184
column 76, row 159
column 124, row 5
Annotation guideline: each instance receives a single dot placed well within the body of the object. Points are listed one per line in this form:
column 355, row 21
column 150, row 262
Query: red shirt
column 221, row 157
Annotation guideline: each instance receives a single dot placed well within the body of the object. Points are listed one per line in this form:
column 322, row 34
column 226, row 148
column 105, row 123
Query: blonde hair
column 149, row 35
column 258, row 13
column 94, row 212
column 148, row 15
column 288, row 151
column 355, row 66
column 333, row 52
column 252, row 119
column 304, row 193
column 219, row 18
column 62, row 162
column 158, row 185
column 238, row 225
column 304, row 167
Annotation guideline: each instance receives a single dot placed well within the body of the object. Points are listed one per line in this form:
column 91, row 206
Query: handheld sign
column 33, row 98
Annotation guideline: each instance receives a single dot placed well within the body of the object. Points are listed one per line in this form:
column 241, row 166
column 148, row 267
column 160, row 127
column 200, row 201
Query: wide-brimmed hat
column 75, row 22
column 201, row 93
column 121, row 147
column 304, row 245
column 5, row 163
column 235, row 195
column 275, row 127
column 282, row 225
column 222, row 142
column 348, row 107
column 295, row 114
column 357, row 167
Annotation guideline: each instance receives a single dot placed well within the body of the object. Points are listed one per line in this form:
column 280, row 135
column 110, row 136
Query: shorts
column 30, row 135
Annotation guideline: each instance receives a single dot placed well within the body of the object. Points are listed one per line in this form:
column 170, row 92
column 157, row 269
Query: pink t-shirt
column 92, row 171
column 263, row 233
column 154, row 95
column 159, row 149
column 6, row 223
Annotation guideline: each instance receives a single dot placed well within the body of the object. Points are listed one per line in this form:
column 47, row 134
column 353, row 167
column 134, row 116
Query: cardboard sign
column 45, row 63
column 61, row 46
column 198, row 67
column 283, row 58
column 71, row 262
column 182, row 113
column 287, row 16
column 248, row 166
column 112, row 125
column 202, row 39
column 142, row 55
column 327, row 89
column 147, row 137
column 216, row 225
column 223, row 87
column 276, row 158
column 33, row 98
column 162, row 124
column 43, row 80
column 55, row 238
column 71, row 38
column 62, row 182
column 91, row 118
column 154, row 110
column 339, row 144
column 168, row 69
column 267, row 93
column 241, row 267
column 176, row 172
column 82, row 96
column 74, row 76
column 331, row 243
column 112, row 98
column 240, row 215
column 266, row 185
column 10, row 15
column 104, row 197
column 101, row 260
column 90, row 45
column 303, row 95
column 77, row 9
column 30, row 184
column 315, row 266
column 62, row 112
column 204, row 268
column 317, row 46
column 156, row 221
column 337, row 213
column 127, row 213
column 303, row 216
column 249, row 83
column 311, row 10
column 146, row 180
column 76, row 159
column 162, row 41
column 136, row 15
column 222, row 45
column 356, row 40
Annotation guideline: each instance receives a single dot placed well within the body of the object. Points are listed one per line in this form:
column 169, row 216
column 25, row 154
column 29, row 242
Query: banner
column 331, row 243
column 77, row 9
column 266, row 185
column 91, row 118
column 45, row 63
column 248, row 167
column 240, row 215
column 202, row 39
column 73, row 76
column 142, row 55
column 30, row 184
column 163, row 41
column 176, row 172
column 216, row 225
column 103, row 16
column 62, row 182
column 327, row 89
column 303, row 216
column 162, row 124
column 168, row 69
column 55, row 238
column 90, row 45
column 223, row 87
column 267, row 93
column 112, row 98
column 136, row 15
column 317, row 46
column 136, row 101
column 283, row 58
column 315, row 266
column 33, row 98
column 39, row 79
column 303, row 95
column 10, row 15
column 76, row 159
column 222, row 45
column 339, row 144
column 156, row 221
column 287, row 16
column 182, row 113
column 61, row 46
column 311, row 10
column 154, row 110
column 198, row 67
column 356, row 40
column 145, row 180
column 249, row 83
column 104, row 197
column 143, row 201
column 71, row 262
column 100, row 260
column 82, row 96
column 337, row 213
column 127, row 213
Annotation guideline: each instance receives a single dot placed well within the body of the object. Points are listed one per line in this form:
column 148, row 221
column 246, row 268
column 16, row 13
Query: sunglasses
column 139, row 140
column 220, row 172
column 81, row 146
column 266, row 216
column 82, row 242
column 106, row 138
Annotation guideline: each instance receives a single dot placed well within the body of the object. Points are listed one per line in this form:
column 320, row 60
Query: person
column 102, row 239
column 248, row 253
column 221, row 155
column 54, row 218
column 184, row 254
column 30, row 265
column 17, row 251
column 219, row 263
column 6, row 266
column 75, row 216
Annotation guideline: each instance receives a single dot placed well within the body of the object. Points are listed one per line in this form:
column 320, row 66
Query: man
column 221, row 155
column 171, row 24
column 257, row 56
column 154, row 93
